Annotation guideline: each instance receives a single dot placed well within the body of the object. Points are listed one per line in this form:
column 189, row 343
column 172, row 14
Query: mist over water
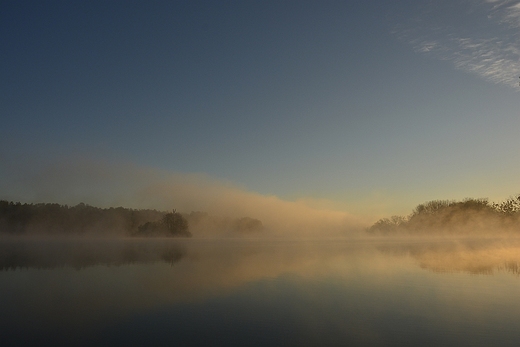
column 104, row 184
column 216, row 173
column 111, row 184
column 469, row 255
column 258, row 271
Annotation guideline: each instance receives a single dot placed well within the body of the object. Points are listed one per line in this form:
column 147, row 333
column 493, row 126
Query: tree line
column 469, row 216
column 50, row 218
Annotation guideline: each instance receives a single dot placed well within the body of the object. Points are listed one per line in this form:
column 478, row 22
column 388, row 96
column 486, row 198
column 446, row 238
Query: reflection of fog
column 46, row 287
column 320, row 291
column 246, row 260
column 200, row 268
column 470, row 256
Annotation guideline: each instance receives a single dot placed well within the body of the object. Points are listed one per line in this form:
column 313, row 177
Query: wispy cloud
column 505, row 12
column 480, row 37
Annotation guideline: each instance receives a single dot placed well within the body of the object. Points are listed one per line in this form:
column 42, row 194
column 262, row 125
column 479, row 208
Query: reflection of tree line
column 17, row 254
column 474, row 257
column 470, row 216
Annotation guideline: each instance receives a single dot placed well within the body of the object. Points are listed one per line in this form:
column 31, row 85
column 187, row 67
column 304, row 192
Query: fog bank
column 105, row 184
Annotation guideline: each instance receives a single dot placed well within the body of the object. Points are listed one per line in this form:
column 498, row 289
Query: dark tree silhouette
column 469, row 216
column 18, row 219
column 171, row 224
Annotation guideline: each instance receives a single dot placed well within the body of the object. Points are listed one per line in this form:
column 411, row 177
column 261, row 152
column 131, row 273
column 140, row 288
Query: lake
column 190, row 292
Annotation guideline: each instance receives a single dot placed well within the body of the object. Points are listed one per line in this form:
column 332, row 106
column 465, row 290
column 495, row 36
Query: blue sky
column 372, row 106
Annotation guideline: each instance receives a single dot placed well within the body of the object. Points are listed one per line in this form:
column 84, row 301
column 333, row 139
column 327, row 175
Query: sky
column 363, row 107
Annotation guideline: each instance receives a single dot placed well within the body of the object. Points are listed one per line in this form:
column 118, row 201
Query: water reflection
column 242, row 292
column 83, row 253
column 474, row 256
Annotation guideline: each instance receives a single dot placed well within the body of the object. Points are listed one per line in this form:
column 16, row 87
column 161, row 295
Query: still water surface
column 260, row 293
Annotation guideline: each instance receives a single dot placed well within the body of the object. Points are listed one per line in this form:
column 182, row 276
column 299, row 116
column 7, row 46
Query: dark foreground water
column 259, row 293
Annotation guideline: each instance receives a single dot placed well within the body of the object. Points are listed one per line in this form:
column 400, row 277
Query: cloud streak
column 483, row 39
